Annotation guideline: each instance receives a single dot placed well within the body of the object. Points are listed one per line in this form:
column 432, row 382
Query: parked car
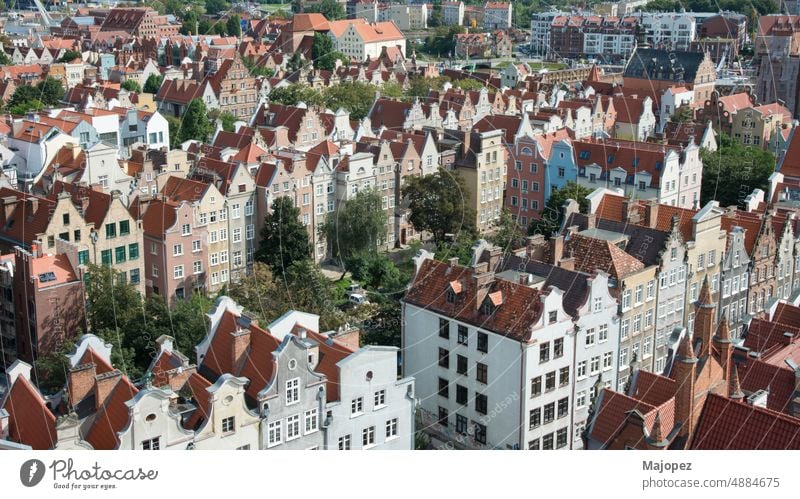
column 357, row 299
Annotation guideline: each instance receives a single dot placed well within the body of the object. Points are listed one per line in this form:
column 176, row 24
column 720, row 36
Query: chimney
column 591, row 220
column 495, row 255
column 453, row 261
column 239, row 347
column 557, row 249
column 81, row 382
column 9, row 202
column 32, row 205
column 36, row 249
column 652, row 213
column 483, row 280
column 535, row 247
column 4, row 424
column 103, row 385
column 684, row 372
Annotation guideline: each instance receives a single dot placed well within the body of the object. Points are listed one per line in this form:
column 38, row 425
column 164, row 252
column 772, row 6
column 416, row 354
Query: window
column 237, row 234
column 536, row 386
column 154, row 271
column 626, row 299
column 482, row 373
column 83, row 257
column 119, row 254
column 651, row 289
column 558, row 348
column 444, row 390
column 590, row 337
column 177, row 250
column 594, row 366
column 293, row 427
column 563, row 407
column 581, row 369
column 608, row 359
column 380, row 398
column 133, row 251
column 293, row 391
column 580, row 399
column 177, row 272
column 481, row 403
column 195, row 246
column 552, row 316
column 561, row 438
column 639, row 295
column 544, row 352
column 461, row 364
column 602, row 333
column 311, row 421
column 550, row 381
column 274, row 434
column 625, row 328
column 391, row 428
column 563, row 376
column 461, row 424
column 151, row 444
column 462, row 394
column 549, row 412
column 111, row 231
column 357, row 406
column 251, row 231
column 344, row 442
column 534, row 418
column 228, row 425
column 444, row 357
column 462, row 335
column 124, row 228
column 443, row 416
column 444, row 328
column 483, row 342
column 480, row 432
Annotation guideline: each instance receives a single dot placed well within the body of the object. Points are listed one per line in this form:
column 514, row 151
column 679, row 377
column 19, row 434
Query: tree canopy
column 284, row 239
column 331, row 9
column 553, row 213
column 27, row 98
column 131, row 86
column 153, row 83
column 732, row 172
column 322, row 53
column 357, row 227
column 234, row 25
column 216, row 6
column 354, row 96
column 69, row 56
column 438, row 204
column 195, row 123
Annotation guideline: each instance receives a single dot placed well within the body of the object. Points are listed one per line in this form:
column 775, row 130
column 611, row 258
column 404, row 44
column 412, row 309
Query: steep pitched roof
column 595, row 254
column 112, row 417
column 30, row 421
column 181, row 189
column 726, row 424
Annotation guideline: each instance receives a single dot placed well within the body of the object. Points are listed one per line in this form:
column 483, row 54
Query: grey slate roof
column 668, row 65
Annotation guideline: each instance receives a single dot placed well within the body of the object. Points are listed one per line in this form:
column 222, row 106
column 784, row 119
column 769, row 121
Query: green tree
column 331, row 9
column 509, row 235
column 174, row 131
column 354, row 96
column 469, row 84
column 420, row 86
column 214, row 7
column 383, row 328
column 682, row 115
column 131, row 86
column 189, row 23
column 284, row 239
column 256, row 69
column 69, row 56
column 234, row 25
column 51, row 92
column 732, row 172
column 438, row 204
column 295, row 63
column 392, row 90
column 153, row 83
column 358, row 226
column 442, row 43
column 322, row 53
column 5, row 60
column 295, row 93
column 195, row 123
column 553, row 213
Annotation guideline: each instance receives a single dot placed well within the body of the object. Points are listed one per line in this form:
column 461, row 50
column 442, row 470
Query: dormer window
column 487, row 308
column 451, row 296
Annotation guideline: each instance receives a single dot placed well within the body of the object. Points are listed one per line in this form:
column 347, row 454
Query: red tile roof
column 30, row 421
column 755, row 375
column 726, row 424
column 181, row 189
column 515, row 318
column 596, row 254
column 112, row 417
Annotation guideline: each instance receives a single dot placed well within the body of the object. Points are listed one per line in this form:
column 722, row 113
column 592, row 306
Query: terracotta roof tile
column 30, row 421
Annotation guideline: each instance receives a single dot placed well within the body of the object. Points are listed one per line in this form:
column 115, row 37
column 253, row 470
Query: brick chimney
column 495, row 255
column 9, row 203
column 704, row 319
column 104, row 384
column 239, row 347
column 724, row 345
column 32, row 204
column 591, row 221
column 684, row 373
column 81, row 382
column 535, row 247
